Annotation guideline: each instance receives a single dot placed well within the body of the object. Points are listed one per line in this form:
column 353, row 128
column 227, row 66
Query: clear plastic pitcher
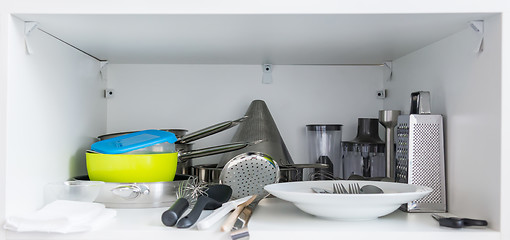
column 325, row 146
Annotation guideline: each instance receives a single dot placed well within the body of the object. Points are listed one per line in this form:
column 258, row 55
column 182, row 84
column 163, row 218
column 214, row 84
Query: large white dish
column 347, row 206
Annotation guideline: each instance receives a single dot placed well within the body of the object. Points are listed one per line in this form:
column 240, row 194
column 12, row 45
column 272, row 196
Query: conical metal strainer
column 260, row 127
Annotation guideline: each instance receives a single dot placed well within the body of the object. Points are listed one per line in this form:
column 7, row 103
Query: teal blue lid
column 133, row 141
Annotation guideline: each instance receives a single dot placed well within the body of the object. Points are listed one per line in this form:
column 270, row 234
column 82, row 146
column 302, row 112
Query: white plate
column 347, row 206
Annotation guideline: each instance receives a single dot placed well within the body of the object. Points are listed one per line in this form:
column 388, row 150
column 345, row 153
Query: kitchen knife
column 455, row 222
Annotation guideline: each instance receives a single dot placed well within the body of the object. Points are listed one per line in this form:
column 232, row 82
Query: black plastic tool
column 454, row 222
column 170, row 216
column 216, row 196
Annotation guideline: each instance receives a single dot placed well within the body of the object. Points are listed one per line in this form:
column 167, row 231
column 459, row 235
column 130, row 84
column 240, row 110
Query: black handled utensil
column 170, row 216
column 455, row 222
column 187, row 194
column 216, row 196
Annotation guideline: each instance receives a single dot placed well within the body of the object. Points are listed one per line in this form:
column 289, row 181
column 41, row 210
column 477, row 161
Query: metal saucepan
column 158, row 167
column 138, row 195
column 289, row 173
column 183, row 143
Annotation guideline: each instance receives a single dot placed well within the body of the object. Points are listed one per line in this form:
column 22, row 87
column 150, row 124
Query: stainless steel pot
column 138, row 195
column 290, row 173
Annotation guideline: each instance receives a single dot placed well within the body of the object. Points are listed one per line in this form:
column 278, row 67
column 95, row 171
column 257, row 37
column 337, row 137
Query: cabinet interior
column 191, row 71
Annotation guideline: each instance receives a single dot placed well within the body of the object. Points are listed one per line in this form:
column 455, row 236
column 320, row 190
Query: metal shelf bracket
column 478, row 27
column 103, row 69
column 388, row 70
column 29, row 28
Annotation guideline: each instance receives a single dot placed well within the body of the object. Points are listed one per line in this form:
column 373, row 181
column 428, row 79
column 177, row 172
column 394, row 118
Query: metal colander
column 259, row 126
column 248, row 173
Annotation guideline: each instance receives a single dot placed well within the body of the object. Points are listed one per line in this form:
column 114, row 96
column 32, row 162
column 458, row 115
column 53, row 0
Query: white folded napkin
column 62, row 216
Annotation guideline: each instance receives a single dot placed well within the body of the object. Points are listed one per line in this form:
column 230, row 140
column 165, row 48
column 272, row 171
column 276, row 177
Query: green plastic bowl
column 158, row 167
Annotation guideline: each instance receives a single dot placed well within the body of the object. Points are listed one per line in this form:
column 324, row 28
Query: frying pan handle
column 214, row 150
column 216, row 128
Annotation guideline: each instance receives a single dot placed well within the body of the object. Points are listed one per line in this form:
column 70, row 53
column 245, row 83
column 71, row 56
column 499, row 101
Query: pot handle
column 215, row 150
column 216, row 128
column 130, row 191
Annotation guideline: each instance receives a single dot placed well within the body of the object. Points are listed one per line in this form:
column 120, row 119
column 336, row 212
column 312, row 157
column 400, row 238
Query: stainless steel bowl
column 138, row 195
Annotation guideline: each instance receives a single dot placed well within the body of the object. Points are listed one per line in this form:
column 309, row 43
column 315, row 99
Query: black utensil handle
column 192, row 217
column 474, row 222
column 451, row 222
column 170, row 216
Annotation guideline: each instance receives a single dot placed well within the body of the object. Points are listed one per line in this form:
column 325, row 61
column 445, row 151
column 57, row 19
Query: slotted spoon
column 248, row 173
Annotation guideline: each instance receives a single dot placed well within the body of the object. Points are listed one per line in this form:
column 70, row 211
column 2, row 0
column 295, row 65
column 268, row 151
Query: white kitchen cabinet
column 194, row 64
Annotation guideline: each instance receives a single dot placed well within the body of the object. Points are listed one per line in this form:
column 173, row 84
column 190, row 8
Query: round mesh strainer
column 248, row 173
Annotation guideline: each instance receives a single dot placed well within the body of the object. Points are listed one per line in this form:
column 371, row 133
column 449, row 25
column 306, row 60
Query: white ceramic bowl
column 347, row 206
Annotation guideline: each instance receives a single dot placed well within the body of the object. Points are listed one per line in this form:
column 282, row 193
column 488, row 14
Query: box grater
column 420, row 155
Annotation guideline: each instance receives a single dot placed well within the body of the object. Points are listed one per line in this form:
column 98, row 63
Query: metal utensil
column 209, row 130
column 248, row 173
column 420, row 155
column 320, row 190
column 354, row 188
column 370, row 189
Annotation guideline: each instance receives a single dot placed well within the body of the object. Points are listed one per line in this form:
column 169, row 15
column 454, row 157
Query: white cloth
column 62, row 216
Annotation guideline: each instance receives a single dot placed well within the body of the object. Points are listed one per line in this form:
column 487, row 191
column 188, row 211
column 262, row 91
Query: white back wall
column 197, row 96
column 54, row 111
column 464, row 88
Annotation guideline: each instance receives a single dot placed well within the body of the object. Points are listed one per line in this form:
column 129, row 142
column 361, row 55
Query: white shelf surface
column 275, row 219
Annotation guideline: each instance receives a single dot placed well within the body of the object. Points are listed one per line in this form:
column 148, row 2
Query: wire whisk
column 191, row 189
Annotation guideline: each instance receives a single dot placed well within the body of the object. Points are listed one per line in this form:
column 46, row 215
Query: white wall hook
column 478, row 27
column 29, row 27
column 103, row 69
column 267, row 70
column 388, row 70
